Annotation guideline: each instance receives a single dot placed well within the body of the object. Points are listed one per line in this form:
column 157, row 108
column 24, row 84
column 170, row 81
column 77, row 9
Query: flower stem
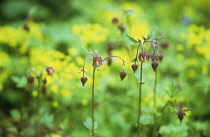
column 154, row 100
column 139, row 102
column 93, row 84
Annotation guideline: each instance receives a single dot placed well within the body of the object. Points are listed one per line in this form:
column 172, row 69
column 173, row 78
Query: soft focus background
column 38, row 33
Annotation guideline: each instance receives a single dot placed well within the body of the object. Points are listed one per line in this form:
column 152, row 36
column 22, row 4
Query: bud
column 83, row 80
column 181, row 114
column 122, row 75
column 110, row 46
column 164, row 45
column 160, row 57
column 143, row 56
column 121, row 28
column 26, row 27
column 134, row 67
column 50, row 70
column 154, row 65
column 154, row 57
column 97, row 61
column 30, row 80
column 44, row 81
column 115, row 20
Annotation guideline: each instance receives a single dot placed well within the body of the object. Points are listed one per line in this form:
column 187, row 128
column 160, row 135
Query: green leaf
column 130, row 11
column 15, row 114
column 146, row 119
column 88, row 124
column 150, row 34
column 85, row 50
column 64, row 125
column 20, row 81
column 131, row 39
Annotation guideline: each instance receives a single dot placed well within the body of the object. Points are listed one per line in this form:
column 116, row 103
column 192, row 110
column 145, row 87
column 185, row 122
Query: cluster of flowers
column 97, row 61
column 31, row 78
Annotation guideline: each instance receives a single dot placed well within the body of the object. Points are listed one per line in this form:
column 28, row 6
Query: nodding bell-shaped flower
column 115, row 20
column 154, row 65
column 30, row 80
column 181, row 112
column 44, row 81
column 83, row 80
column 160, row 57
column 134, row 67
column 26, row 27
column 50, row 70
column 122, row 75
column 97, row 61
column 121, row 28
column 143, row 56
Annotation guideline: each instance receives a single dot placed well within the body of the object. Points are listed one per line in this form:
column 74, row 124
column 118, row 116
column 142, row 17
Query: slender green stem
column 154, row 100
column 139, row 102
column 93, row 84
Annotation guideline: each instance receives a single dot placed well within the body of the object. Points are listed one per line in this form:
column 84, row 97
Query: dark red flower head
column 134, row 67
column 181, row 112
column 115, row 20
column 160, row 57
column 123, row 75
column 83, row 80
column 97, row 61
column 30, row 80
column 143, row 56
column 154, row 65
column 50, row 70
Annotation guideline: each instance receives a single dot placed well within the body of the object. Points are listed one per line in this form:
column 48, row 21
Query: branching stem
column 114, row 56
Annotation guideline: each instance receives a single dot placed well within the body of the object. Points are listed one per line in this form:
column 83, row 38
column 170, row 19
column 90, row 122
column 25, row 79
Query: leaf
column 146, row 119
column 64, row 125
column 130, row 11
column 131, row 39
column 88, row 124
column 85, row 50
column 15, row 114
column 20, row 81
column 150, row 34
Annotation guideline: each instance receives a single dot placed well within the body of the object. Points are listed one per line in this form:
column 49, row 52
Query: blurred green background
column 38, row 33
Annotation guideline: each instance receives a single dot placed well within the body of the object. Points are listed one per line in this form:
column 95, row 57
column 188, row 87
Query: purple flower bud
column 97, row 61
column 30, row 80
column 26, row 27
column 134, row 67
column 154, row 65
column 165, row 45
column 181, row 114
column 83, row 80
column 160, row 57
column 44, row 81
column 122, row 75
column 143, row 56
column 50, row 70
column 121, row 28
column 115, row 20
